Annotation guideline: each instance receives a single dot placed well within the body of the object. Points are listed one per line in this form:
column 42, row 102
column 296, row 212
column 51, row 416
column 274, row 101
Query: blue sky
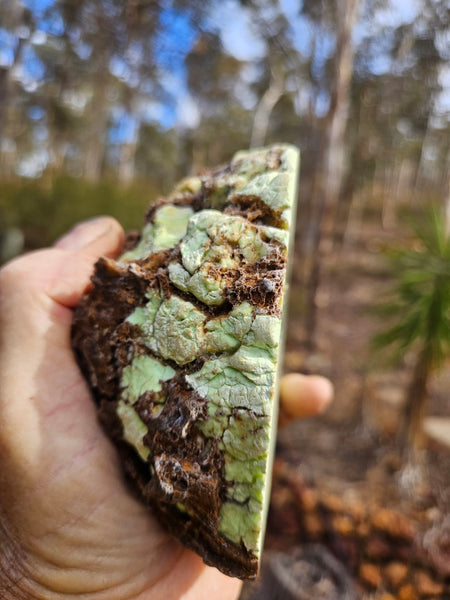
column 38, row 7
column 238, row 37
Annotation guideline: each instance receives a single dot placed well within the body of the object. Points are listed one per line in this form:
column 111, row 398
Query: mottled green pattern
column 234, row 385
column 144, row 374
column 134, row 428
column 224, row 334
column 242, row 379
column 175, row 329
column 172, row 328
column 241, row 348
column 214, row 245
column 271, row 188
column 167, row 229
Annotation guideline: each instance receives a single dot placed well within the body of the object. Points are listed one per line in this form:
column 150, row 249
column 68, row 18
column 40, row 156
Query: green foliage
column 418, row 307
column 43, row 211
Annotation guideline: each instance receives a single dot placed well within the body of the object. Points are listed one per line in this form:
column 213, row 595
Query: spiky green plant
column 418, row 315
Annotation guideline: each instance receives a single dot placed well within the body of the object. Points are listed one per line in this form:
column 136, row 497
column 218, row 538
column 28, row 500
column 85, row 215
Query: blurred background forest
column 105, row 104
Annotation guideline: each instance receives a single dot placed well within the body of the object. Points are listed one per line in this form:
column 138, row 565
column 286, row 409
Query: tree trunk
column 416, row 397
column 103, row 48
column 126, row 168
column 446, row 201
column 339, row 108
column 349, row 207
column 5, row 97
column 265, row 107
column 328, row 178
column 98, row 123
column 426, row 142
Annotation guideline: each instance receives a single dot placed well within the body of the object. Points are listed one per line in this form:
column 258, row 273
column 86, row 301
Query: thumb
column 61, row 273
column 82, row 246
column 98, row 236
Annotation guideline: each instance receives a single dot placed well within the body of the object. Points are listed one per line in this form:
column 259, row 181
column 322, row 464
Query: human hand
column 69, row 527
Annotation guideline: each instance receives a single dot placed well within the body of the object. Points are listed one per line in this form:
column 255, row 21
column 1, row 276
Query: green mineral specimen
column 215, row 244
column 201, row 351
column 134, row 428
column 238, row 379
column 167, row 229
column 224, row 334
column 144, row 374
column 171, row 328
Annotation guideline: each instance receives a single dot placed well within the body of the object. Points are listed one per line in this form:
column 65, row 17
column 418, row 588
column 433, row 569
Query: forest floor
column 348, row 455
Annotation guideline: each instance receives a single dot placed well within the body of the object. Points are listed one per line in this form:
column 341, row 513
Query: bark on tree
column 126, row 167
column 265, row 107
column 5, row 93
column 414, row 411
column 334, row 158
column 95, row 146
column 446, row 210
column 329, row 176
column 410, row 430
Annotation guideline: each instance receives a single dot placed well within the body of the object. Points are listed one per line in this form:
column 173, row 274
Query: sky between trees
column 56, row 56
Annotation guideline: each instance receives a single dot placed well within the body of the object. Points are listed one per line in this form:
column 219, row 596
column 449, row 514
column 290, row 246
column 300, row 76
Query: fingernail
column 84, row 233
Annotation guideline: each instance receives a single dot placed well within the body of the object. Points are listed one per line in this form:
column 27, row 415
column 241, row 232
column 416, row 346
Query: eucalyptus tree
column 337, row 19
column 16, row 29
column 213, row 79
column 114, row 41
